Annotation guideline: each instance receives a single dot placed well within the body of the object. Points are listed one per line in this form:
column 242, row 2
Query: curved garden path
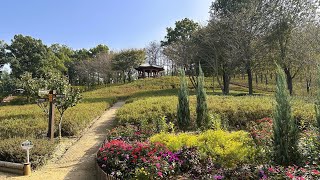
column 78, row 162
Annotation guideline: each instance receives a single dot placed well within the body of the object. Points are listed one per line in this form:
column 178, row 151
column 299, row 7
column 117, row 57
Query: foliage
column 309, row 146
column 203, row 121
column 176, row 141
column 10, row 150
column 183, row 111
column 126, row 60
column 160, row 125
column 225, row 148
column 7, row 84
column 285, row 129
column 309, row 171
column 31, row 85
column 262, row 133
column 177, row 43
column 130, row 133
column 71, row 96
column 31, row 55
column 235, row 112
column 215, row 122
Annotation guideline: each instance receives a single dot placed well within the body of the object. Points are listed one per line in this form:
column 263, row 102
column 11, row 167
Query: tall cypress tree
column 183, row 111
column 285, row 129
column 202, row 108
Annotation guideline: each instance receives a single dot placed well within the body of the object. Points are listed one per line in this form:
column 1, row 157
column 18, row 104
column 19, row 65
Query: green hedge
column 29, row 120
column 10, row 150
column 238, row 111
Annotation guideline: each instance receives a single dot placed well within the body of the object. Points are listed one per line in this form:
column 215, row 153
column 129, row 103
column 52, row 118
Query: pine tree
column 183, row 111
column 202, row 109
column 285, row 129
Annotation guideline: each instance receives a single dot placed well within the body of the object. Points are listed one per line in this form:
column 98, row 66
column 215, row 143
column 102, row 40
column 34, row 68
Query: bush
column 225, row 148
column 236, row 111
column 10, row 150
column 174, row 142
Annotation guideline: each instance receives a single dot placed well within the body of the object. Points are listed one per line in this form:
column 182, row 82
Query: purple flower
column 218, row 177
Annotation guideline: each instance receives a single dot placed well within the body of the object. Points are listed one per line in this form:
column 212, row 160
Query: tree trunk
column 124, row 77
column 308, row 84
column 98, row 79
column 213, row 83
column 266, row 78
column 249, row 73
column 226, row 82
column 256, row 78
column 60, row 126
column 289, row 80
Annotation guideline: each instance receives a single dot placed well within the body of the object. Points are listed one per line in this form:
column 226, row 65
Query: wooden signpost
column 51, row 97
column 52, row 94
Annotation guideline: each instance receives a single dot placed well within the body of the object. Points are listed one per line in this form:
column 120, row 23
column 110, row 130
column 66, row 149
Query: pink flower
column 271, row 169
column 290, row 175
column 316, row 172
column 105, row 158
column 158, row 165
column 160, row 174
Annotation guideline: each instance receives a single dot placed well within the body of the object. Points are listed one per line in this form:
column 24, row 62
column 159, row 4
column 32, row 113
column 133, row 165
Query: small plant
column 215, row 122
column 160, row 125
column 142, row 174
column 183, row 111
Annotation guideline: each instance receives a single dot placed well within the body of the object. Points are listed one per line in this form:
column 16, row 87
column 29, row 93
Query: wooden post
column 51, row 115
column 26, row 169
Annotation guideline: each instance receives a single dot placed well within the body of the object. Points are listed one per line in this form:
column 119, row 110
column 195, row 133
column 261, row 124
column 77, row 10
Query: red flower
column 316, row 172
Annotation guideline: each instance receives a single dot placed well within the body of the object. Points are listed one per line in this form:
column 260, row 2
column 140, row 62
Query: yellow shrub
column 175, row 142
column 226, row 148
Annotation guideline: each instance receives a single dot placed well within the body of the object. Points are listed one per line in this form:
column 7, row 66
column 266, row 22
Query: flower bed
column 133, row 152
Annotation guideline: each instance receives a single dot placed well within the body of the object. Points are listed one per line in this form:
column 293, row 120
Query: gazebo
column 146, row 71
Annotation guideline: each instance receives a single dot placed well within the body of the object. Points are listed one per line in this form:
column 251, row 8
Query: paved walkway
column 78, row 162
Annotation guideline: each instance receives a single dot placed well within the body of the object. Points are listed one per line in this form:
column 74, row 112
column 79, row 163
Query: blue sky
column 86, row 23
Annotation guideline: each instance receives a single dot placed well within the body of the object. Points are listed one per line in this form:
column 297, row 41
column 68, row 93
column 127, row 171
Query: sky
column 119, row 24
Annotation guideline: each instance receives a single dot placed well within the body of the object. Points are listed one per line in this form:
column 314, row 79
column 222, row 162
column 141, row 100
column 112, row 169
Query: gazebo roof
column 147, row 66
